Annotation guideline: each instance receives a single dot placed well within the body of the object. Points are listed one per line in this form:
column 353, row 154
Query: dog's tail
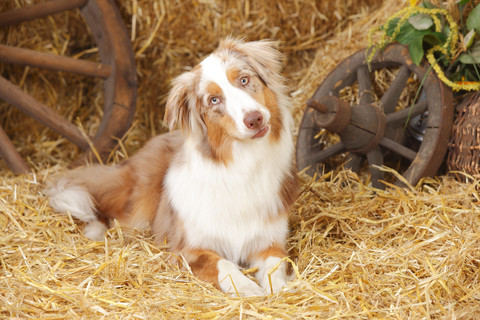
column 85, row 192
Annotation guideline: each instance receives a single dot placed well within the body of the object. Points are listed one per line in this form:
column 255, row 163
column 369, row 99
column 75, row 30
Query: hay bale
column 358, row 253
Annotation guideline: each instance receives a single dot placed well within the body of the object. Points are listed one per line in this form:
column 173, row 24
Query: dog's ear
column 262, row 55
column 178, row 102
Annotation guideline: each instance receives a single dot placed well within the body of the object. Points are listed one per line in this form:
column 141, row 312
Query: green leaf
column 434, row 38
column 390, row 28
column 473, row 20
column 469, row 38
column 463, row 2
column 472, row 56
column 408, row 34
column 416, row 50
column 415, row 39
column 421, row 21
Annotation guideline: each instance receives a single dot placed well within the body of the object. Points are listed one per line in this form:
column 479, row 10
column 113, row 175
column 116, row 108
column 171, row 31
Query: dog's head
column 231, row 95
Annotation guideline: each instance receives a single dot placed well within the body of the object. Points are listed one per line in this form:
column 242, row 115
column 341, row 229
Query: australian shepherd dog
column 219, row 189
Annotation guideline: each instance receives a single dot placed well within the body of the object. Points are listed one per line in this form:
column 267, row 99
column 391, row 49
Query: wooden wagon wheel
column 374, row 128
column 117, row 69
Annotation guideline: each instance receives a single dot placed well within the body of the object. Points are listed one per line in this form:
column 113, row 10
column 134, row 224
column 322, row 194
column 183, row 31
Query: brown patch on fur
column 151, row 164
column 110, row 187
column 131, row 192
column 214, row 90
column 168, row 227
column 276, row 250
column 232, row 76
column 266, row 97
column 289, row 188
column 276, row 117
column 203, row 264
column 219, row 139
column 113, row 196
column 262, row 56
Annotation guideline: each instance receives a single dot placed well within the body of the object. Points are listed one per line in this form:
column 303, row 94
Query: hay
column 404, row 254
column 410, row 253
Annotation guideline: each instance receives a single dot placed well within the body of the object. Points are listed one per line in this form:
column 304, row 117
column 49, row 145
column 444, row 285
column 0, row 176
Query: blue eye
column 244, row 81
column 214, row 100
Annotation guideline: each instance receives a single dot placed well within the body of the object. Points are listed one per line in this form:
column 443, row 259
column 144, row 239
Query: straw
column 356, row 252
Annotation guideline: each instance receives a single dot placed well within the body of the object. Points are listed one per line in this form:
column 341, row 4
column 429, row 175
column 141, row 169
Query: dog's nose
column 253, row 120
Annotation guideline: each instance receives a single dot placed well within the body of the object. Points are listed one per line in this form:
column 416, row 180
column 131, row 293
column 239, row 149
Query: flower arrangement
column 451, row 48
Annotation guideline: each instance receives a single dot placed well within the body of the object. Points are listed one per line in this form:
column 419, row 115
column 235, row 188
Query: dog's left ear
column 263, row 56
column 178, row 102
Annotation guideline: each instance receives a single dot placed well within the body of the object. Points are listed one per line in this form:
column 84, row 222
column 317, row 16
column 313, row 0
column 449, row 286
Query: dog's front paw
column 272, row 275
column 234, row 282
column 241, row 287
column 273, row 284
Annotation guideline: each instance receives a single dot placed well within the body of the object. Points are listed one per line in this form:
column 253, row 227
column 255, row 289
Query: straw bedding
column 357, row 253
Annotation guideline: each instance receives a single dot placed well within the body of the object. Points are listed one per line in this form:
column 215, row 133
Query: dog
column 219, row 189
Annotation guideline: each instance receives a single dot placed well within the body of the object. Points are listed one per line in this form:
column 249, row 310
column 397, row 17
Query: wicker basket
column 464, row 145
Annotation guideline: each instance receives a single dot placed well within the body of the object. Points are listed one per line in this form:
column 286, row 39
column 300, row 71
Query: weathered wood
column 53, row 62
column 376, row 126
column 114, row 46
column 10, row 155
column 117, row 68
column 30, row 106
column 39, row 10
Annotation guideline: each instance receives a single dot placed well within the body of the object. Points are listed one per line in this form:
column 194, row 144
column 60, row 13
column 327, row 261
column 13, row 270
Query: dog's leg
column 272, row 272
column 225, row 275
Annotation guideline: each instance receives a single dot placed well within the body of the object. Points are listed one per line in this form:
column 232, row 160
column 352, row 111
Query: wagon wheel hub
column 361, row 127
column 375, row 130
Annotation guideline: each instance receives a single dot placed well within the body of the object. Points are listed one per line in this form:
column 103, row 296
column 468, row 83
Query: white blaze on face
column 236, row 101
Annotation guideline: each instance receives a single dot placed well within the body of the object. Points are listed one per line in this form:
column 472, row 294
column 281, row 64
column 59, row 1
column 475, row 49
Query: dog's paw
column 244, row 287
column 274, row 283
column 272, row 275
column 233, row 282
column 95, row 230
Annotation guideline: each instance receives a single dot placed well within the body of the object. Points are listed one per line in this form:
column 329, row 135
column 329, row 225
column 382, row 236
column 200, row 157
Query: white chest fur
column 231, row 209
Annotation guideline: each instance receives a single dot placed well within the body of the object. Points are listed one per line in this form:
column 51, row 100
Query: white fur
column 75, row 199
column 66, row 197
column 228, row 206
column 95, row 230
column 238, row 102
column 234, row 282
column 272, row 274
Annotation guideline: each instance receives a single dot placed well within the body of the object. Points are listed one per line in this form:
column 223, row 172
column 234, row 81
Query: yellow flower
column 456, row 86
column 413, row 3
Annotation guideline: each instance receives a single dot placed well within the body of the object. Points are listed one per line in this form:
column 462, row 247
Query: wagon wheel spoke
column 364, row 85
column 117, row 70
column 398, row 148
column 375, row 160
column 388, row 127
column 39, row 10
column 10, row 155
column 53, row 62
column 389, row 100
column 400, row 118
column 30, row 106
column 354, row 162
column 326, row 153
